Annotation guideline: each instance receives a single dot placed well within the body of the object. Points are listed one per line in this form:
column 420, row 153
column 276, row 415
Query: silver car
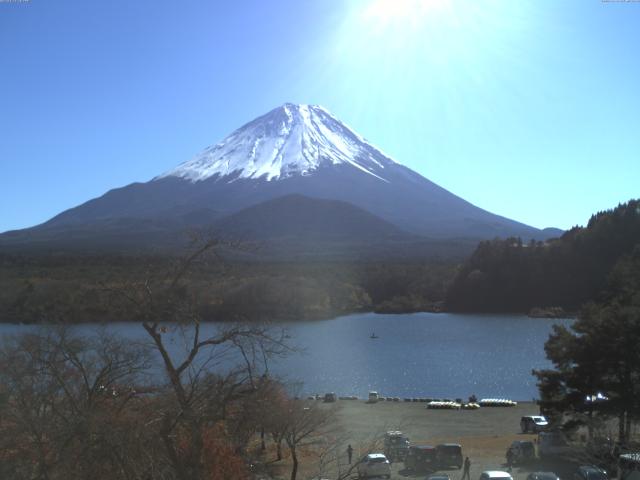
column 374, row 465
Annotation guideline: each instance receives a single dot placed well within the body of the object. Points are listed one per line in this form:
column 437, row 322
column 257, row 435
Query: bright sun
column 396, row 31
column 395, row 48
column 398, row 34
column 387, row 12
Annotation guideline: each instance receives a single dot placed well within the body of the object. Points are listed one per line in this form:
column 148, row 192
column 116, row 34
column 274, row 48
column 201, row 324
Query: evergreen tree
column 599, row 354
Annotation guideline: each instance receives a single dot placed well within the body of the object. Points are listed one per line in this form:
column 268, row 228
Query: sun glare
column 393, row 26
column 399, row 34
column 385, row 12
column 440, row 54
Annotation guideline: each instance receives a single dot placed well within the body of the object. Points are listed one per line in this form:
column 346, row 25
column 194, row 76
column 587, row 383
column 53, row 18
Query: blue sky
column 528, row 109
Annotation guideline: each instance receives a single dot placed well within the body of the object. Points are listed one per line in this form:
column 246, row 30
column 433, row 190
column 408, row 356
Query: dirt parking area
column 484, row 434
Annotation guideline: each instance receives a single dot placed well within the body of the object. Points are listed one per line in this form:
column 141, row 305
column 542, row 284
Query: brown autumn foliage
column 103, row 407
column 221, row 460
column 82, row 407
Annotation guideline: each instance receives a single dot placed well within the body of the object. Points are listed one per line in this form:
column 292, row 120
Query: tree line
column 74, row 289
column 513, row 275
column 105, row 407
column 596, row 374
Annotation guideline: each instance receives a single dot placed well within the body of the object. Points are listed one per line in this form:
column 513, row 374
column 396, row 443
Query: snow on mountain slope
column 292, row 150
column 289, row 140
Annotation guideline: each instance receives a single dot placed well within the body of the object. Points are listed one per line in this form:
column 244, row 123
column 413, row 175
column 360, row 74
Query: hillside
column 307, row 219
column 291, row 150
column 516, row 276
column 79, row 289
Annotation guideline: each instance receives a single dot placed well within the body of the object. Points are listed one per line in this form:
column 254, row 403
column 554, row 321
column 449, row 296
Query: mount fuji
column 292, row 151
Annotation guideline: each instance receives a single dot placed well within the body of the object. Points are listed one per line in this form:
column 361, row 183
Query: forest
column 77, row 289
column 555, row 277
column 511, row 275
column 77, row 406
column 596, row 361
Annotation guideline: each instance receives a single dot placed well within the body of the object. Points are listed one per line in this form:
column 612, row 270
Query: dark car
column 421, row 458
column 396, row 445
column 521, row 451
column 449, row 454
column 330, row 397
column 590, row 472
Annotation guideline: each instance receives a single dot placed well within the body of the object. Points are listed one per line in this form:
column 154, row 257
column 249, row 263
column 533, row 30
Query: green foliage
column 600, row 353
column 75, row 289
column 509, row 275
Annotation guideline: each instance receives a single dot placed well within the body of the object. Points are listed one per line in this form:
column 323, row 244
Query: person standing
column 509, row 460
column 467, row 467
column 349, row 453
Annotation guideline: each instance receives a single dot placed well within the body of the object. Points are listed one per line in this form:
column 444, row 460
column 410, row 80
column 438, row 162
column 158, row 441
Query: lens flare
column 387, row 12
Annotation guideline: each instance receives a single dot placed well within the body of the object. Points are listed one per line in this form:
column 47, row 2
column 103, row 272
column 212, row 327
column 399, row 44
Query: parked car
column 553, row 443
column 373, row 397
column 542, row 476
column 374, row 465
column 449, row 454
column 629, row 466
column 421, row 458
column 396, row 445
column 533, row 423
column 495, row 475
column 330, row 397
column 590, row 472
column 438, row 476
column 521, row 451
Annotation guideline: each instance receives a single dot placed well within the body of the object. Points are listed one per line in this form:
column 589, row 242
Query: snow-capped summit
column 255, row 180
column 289, row 140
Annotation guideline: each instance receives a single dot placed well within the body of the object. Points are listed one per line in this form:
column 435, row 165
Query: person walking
column 509, row 460
column 467, row 467
column 349, row 453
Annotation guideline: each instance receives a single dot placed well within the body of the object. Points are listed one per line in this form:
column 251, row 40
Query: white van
column 373, row 397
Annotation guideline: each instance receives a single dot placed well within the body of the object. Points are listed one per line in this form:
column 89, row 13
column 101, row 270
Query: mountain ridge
column 293, row 149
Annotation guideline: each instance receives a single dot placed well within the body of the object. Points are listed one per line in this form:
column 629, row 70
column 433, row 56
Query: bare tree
column 304, row 424
column 73, row 407
column 68, row 403
column 198, row 399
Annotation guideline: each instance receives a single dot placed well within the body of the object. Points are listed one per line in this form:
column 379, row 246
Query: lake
column 415, row 355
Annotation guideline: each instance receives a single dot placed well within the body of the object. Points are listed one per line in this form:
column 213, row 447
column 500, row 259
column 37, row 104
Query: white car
column 533, row 423
column 374, row 465
column 495, row 475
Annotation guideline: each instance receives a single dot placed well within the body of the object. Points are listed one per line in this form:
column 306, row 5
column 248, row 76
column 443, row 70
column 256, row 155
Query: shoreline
column 566, row 316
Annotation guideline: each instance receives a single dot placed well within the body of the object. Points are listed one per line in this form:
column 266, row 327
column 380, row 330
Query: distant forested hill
column 79, row 289
column 509, row 275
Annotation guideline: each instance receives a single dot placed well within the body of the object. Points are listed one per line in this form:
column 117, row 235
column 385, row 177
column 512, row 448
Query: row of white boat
column 431, row 403
column 485, row 402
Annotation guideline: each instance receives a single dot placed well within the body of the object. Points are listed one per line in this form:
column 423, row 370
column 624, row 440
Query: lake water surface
column 416, row 355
